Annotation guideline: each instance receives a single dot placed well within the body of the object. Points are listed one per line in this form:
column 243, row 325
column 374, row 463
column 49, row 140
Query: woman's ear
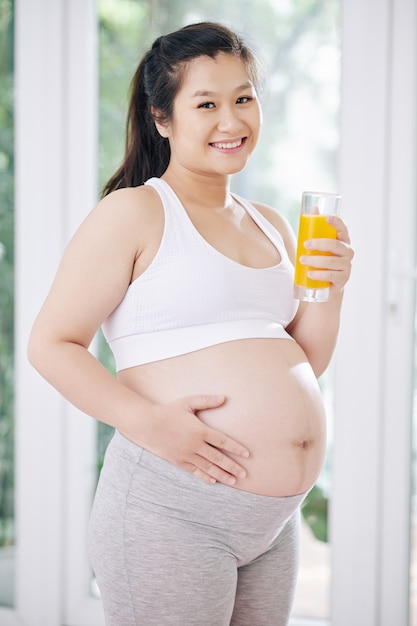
column 161, row 126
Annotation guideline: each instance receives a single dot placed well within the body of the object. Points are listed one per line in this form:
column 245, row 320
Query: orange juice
column 311, row 227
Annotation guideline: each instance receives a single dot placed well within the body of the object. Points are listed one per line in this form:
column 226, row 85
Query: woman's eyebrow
column 211, row 94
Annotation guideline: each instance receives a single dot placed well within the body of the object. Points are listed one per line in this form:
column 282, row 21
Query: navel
column 304, row 443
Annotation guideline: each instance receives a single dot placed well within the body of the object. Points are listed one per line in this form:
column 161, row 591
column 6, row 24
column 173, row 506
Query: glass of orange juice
column 315, row 206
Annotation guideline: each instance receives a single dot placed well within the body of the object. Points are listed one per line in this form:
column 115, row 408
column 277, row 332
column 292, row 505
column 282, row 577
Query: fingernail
column 242, row 474
column 308, row 243
column 231, row 480
column 303, row 260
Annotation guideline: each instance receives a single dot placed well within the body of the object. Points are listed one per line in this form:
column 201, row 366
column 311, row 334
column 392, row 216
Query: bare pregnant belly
column 273, row 406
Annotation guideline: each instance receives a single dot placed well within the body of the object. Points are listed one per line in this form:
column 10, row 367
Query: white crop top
column 191, row 296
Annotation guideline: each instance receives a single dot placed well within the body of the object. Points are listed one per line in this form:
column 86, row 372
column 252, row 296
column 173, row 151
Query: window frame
column 372, row 454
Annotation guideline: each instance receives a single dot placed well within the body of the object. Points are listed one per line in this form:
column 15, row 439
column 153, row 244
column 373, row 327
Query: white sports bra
column 191, row 296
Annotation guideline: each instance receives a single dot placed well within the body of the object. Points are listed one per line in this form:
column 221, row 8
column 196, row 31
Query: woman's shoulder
column 130, row 200
column 131, row 209
column 125, row 220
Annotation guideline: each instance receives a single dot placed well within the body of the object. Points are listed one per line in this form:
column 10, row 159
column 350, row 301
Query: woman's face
column 216, row 117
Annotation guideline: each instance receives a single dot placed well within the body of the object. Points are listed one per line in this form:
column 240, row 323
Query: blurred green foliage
column 315, row 512
column 6, row 275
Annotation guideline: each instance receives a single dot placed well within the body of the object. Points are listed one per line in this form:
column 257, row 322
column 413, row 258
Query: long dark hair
column 156, row 82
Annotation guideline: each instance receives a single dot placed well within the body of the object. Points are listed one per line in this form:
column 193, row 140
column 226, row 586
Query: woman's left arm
column 316, row 326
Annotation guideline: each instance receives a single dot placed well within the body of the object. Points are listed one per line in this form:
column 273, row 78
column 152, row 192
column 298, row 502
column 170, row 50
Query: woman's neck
column 197, row 189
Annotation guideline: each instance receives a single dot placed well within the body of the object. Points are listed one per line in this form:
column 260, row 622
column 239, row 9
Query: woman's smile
column 229, row 146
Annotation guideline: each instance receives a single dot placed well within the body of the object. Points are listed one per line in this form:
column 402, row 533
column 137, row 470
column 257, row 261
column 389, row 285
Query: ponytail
column 147, row 153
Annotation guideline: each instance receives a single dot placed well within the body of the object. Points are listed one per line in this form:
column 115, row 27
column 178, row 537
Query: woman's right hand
column 178, row 435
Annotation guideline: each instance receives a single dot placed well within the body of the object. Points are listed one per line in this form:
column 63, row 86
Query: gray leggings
column 170, row 550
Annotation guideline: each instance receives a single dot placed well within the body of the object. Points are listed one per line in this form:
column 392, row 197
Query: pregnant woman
column 219, row 422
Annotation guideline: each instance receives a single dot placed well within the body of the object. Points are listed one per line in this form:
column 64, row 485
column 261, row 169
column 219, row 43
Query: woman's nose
column 229, row 121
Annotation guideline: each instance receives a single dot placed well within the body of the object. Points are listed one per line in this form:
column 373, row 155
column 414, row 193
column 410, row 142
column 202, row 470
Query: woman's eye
column 206, row 105
column 244, row 100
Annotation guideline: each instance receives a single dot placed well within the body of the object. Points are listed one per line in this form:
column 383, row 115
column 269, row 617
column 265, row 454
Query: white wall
column 370, row 505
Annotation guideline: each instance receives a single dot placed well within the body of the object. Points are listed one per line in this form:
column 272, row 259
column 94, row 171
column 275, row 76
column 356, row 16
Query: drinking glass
column 315, row 206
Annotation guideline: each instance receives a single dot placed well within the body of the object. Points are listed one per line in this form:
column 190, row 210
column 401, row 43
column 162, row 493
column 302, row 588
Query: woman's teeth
column 225, row 146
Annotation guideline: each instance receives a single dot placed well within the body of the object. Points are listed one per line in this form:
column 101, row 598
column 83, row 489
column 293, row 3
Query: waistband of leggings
column 169, row 471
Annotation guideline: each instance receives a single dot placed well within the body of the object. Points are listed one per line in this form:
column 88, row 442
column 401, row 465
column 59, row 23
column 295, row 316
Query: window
column 371, row 383
column 300, row 44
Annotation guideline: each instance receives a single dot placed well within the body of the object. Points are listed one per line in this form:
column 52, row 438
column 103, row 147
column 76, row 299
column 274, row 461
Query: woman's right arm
column 93, row 276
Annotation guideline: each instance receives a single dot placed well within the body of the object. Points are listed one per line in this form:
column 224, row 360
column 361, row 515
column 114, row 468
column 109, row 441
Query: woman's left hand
column 336, row 266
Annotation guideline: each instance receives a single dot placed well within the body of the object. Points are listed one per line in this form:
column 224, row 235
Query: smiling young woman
column 220, row 426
